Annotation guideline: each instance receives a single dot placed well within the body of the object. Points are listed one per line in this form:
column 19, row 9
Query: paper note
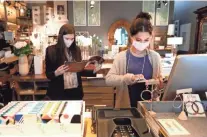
column 173, row 127
column 190, row 106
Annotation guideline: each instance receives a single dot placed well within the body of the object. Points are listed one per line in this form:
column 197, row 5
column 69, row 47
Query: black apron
column 136, row 89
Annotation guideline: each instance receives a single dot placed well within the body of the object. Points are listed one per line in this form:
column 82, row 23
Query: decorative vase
column 23, row 65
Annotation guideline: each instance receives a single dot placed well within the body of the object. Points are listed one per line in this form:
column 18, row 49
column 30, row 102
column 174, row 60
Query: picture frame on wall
column 94, row 16
column 47, row 14
column 61, row 11
column 36, row 15
column 149, row 6
column 79, row 13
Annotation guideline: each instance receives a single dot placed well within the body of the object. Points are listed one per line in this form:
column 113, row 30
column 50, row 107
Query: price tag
column 188, row 98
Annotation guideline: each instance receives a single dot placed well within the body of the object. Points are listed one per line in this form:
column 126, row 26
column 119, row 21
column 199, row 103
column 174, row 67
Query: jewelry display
column 194, row 105
column 182, row 115
column 190, row 105
column 154, row 93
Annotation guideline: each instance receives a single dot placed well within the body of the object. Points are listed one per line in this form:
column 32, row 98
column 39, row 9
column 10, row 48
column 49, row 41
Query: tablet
column 76, row 66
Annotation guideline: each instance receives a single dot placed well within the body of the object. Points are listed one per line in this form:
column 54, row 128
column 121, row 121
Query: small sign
column 184, row 91
column 173, row 127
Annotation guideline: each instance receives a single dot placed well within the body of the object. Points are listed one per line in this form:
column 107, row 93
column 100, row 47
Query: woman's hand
column 161, row 84
column 94, row 66
column 61, row 70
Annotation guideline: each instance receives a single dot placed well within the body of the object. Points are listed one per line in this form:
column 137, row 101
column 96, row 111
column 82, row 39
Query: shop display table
column 87, row 131
column 43, row 118
column 196, row 126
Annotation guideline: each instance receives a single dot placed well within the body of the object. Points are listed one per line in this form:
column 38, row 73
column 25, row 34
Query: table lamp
column 174, row 41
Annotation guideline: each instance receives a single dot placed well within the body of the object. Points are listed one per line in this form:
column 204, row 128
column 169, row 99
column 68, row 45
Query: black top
column 56, row 89
column 3, row 44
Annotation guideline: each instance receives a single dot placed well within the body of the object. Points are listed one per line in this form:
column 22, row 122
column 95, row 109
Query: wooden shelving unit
column 25, row 28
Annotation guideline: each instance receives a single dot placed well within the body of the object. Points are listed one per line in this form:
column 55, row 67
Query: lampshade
column 157, row 38
column 175, row 40
column 171, row 29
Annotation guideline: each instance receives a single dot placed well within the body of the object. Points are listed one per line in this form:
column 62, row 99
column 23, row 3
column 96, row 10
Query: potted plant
column 22, row 49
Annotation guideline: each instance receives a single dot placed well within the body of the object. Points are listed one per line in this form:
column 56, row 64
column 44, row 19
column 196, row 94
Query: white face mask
column 68, row 43
column 140, row 46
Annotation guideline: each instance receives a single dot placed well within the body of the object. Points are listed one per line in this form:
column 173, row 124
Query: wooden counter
column 96, row 92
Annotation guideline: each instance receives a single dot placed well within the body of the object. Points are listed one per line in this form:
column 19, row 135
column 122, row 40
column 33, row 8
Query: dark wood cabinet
column 201, row 31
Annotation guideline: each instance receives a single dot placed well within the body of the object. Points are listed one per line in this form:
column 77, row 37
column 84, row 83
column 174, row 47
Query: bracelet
column 192, row 104
column 198, row 107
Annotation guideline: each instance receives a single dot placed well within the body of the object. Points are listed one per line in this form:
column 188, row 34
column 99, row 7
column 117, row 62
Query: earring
column 177, row 96
column 146, row 90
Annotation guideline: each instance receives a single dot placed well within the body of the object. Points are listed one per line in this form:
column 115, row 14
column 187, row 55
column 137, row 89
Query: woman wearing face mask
column 137, row 62
column 64, row 85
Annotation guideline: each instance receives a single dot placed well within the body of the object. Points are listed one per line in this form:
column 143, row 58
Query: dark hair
column 2, row 29
column 73, row 49
column 141, row 24
column 2, row 26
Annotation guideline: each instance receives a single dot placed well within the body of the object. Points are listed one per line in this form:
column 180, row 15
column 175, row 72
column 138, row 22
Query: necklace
column 129, row 57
